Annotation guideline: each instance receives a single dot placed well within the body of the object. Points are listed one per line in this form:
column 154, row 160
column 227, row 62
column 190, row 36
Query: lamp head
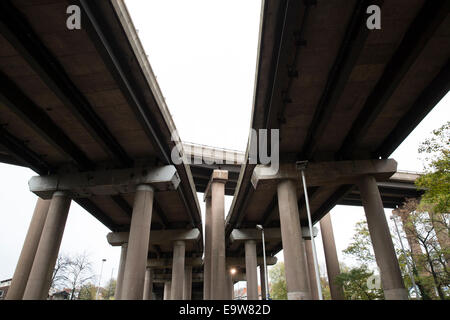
column 301, row 165
column 233, row 271
column 259, row 227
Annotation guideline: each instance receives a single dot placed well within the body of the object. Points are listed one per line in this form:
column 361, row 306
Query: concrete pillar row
column 138, row 242
column 30, row 245
column 119, row 282
column 187, row 289
column 311, row 270
column 207, row 258
column 177, row 290
column 148, row 285
column 218, row 268
column 39, row 281
column 262, row 276
column 391, row 277
column 331, row 257
column 293, row 243
column 167, row 290
column 251, row 270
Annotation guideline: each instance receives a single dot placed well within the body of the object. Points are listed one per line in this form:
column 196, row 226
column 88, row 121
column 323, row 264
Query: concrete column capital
column 60, row 194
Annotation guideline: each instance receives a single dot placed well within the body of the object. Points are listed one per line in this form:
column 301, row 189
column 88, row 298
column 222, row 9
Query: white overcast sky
column 203, row 53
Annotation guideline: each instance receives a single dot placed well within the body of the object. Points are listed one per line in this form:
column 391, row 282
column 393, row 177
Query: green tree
column 354, row 282
column 277, row 277
column 109, row 290
column 436, row 180
column 87, row 292
column 361, row 246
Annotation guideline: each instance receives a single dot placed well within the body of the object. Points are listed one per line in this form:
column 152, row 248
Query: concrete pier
column 119, row 282
column 136, row 261
column 30, row 245
column 383, row 247
column 311, row 270
column 218, row 269
column 39, row 281
column 293, row 244
column 331, row 257
column 148, row 285
column 207, row 257
column 177, row 290
column 229, row 279
column 250, row 267
column 187, row 288
column 167, row 290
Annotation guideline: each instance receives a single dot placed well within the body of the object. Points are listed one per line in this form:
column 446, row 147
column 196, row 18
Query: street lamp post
column 404, row 253
column 301, row 165
column 99, row 280
column 260, row 227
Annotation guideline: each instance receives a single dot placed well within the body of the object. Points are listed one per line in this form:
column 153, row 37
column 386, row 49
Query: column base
column 299, row 295
column 396, row 294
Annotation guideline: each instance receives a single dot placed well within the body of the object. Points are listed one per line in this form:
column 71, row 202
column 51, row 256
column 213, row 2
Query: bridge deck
column 338, row 91
column 83, row 100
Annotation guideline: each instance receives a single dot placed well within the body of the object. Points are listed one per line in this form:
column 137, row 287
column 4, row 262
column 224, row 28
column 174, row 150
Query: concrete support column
column 207, row 258
column 250, row 267
column 40, row 278
column 311, row 271
column 331, row 258
column 229, row 279
column 218, row 268
column 293, row 244
column 187, row 289
column 30, row 245
column 262, row 276
column 391, row 277
column 136, row 261
column 167, row 289
column 179, row 248
column 148, row 285
column 119, row 282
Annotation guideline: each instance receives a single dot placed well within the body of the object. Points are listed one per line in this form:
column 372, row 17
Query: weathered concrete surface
column 250, row 269
column 138, row 242
column 326, row 173
column 331, row 257
column 177, row 290
column 110, row 182
column 158, row 237
column 30, row 245
column 293, row 243
column 39, row 280
column 391, row 277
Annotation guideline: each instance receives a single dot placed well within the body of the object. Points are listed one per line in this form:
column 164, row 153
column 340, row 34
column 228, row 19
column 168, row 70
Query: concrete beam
column 326, row 173
column 196, row 277
column 198, row 262
column 269, row 234
column 157, row 237
column 107, row 182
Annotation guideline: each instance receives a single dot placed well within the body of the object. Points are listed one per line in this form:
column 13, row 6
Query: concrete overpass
column 78, row 105
column 82, row 108
column 339, row 94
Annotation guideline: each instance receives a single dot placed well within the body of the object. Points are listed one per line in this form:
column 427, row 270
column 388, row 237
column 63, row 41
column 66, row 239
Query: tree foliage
column 354, row 282
column 436, row 180
column 278, row 289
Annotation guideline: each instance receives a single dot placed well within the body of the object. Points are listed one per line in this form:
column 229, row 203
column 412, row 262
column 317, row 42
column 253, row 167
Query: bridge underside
column 338, row 91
